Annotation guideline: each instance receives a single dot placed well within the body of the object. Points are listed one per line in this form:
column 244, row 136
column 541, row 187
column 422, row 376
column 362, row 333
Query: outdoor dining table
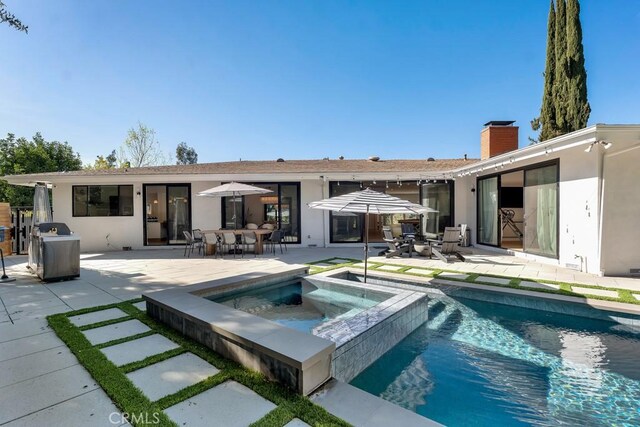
column 260, row 234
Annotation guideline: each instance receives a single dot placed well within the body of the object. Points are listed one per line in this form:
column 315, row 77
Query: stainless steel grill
column 54, row 253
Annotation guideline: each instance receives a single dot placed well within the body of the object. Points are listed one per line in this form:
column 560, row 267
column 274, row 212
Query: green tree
column 102, row 162
column 578, row 108
column 11, row 20
column 186, row 155
column 20, row 156
column 141, row 148
column 561, row 78
column 546, row 122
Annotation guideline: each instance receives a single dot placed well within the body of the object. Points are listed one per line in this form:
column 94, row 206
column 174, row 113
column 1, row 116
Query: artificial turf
column 130, row 400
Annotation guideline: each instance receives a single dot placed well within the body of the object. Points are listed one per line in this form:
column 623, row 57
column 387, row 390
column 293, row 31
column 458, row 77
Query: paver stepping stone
column 133, row 351
column 115, row 331
column 419, row 271
column 537, row 285
column 171, row 375
column 142, row 305
column 230, row 404
column 636, row 296
column 359, row 264
column 322, row 264
column 447, row 275
column 340, row 261
column 389, row 267
column 495, row 280
column 88, row 409
column 97, row 316
column 296, row 423
column 41, row 392
column 598, row 292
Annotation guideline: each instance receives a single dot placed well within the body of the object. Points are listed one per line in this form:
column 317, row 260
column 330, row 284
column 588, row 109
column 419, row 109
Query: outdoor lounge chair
column 397, row 247
column 448, row 246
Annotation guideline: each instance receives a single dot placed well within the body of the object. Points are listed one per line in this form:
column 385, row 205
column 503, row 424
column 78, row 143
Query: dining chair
column 190, row 244
column 214, row 240
column 248, row 239
column 229, row 242
column 197, row 235
column 276, row 238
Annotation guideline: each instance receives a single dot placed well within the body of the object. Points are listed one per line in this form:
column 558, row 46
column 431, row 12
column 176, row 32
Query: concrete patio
column 42, row 381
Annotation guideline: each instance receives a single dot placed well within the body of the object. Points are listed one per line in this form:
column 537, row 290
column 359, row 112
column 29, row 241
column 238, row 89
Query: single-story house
column 573, row 200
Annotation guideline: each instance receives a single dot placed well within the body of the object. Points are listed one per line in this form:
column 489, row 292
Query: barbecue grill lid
column 46, row 227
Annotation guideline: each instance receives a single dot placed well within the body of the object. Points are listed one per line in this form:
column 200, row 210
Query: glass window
column 541, row 211
column 488, row 211
column 345, row 227
column 103, row 200
column 437, row 196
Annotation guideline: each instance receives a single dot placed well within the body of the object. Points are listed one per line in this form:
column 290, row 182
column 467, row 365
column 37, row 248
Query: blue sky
column 300, row 79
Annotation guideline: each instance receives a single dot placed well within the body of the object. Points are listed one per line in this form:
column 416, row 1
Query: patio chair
column 276, row 238
column 249, row 239
column 408, row 231
column 251, row 226
column 190, row 244
column 397, row 247
column 211, row 239
column 448, row 246
column 196, row 233
column 229, row 242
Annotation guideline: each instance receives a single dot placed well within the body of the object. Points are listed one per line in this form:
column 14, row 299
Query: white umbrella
column 233, row 189
column 369, row 201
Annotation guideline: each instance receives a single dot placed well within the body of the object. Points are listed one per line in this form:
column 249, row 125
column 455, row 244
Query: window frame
column 86, row 202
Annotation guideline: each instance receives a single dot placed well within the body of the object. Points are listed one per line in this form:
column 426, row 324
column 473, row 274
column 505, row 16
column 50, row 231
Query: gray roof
column 273, row 166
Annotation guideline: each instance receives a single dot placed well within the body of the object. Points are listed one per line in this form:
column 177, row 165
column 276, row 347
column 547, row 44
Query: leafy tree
column 141, row 148
column 20, row 156
column 11, row 20
column 578, row 108
column 186, row 155
column 102, row 162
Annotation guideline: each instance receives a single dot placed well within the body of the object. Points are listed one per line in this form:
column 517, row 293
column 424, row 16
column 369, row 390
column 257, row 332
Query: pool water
column 486, row 364
column 302, row 306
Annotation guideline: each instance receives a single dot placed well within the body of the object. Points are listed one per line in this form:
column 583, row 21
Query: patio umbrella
column 233, row 189
column 369, row 201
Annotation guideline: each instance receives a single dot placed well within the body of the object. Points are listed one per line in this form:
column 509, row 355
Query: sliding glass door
column 488, row 220
column 168, row 213
column 541, row 211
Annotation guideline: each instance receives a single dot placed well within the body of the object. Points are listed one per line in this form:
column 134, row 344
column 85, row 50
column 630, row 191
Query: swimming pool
column 487, row 364
column 301, row 305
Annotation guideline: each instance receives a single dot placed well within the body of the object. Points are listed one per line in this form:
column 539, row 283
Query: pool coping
column 602, row 305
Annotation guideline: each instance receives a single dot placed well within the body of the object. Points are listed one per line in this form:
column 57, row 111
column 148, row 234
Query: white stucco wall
column 621, row 208
column 93, row 231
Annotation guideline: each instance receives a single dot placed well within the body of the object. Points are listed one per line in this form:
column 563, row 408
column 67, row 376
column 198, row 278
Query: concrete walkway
column 41, row 381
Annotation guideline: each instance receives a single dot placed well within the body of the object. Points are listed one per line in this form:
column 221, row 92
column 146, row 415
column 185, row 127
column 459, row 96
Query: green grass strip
column 125, row 339
column 105, row 323
column 130, row 399
column 127, row 397
column 134, row 366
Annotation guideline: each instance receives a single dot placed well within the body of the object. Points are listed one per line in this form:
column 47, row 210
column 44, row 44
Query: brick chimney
column 498, row 137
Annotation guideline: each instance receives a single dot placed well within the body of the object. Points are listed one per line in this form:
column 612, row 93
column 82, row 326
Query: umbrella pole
column 366, row 243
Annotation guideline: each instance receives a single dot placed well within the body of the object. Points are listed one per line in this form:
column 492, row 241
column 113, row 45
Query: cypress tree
column 560, row 84
column 547, row 111
column 577, row 107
